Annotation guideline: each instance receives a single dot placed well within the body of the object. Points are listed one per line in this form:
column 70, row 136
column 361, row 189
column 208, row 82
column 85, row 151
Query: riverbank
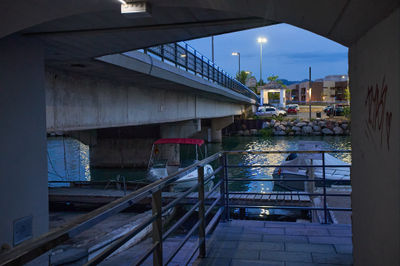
column 289, row 127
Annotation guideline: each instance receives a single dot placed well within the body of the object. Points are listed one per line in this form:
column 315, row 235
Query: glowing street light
column 261, row 40
column 237, row 54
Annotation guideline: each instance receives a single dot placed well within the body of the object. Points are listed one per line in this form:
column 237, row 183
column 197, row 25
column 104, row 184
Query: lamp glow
column 235, row 53
column 262, row 40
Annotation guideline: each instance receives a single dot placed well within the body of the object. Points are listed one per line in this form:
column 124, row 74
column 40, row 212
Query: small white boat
column 165, row 159
column 333, row 175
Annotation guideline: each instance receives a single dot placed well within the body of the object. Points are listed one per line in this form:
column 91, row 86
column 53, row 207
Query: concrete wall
column 77, row 102
column 23, row 166
column 375, row 87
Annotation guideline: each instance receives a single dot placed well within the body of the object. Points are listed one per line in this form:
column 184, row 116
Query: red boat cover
column 180, row 141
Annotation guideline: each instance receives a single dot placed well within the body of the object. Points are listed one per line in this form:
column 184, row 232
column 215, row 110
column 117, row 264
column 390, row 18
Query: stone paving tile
column 307, row 232
column 344, row 248
column 340, row 232
column 329, row 240
column 224, row 244
column 261, row 245
column 247, row 223
column 342, row 259
column 213, row 262
column 309, row 264
column 230, row 229
column 322, row 248
column 286, row 256
column 284, row 224
column 239, row 237
column 268, row 230
column 236, row 262
column 234, row 253
column 284, row 238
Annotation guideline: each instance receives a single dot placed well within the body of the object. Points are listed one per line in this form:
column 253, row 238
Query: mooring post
column 202, row 226
column 226, row 187
column 156, row 203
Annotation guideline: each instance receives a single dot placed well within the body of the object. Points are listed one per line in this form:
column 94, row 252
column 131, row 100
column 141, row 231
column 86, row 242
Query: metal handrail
column 186, row 57
column 34, row 248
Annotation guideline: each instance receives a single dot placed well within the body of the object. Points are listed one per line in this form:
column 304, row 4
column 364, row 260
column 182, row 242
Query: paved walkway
column 243, row 242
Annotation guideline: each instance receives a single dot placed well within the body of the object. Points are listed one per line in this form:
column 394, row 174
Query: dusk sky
column 288, row 53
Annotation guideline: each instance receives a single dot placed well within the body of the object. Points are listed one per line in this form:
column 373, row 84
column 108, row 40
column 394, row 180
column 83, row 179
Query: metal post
column 260, row 62
column 324, row 188
column 222, row 187
column 226, row 188
column 162, row 52
column 309, row 95
column 176, row 54
column 239, row 62
column 195, row 63
column 202, row 66
column 202, row 226
column 187, row 56
column 157, row 228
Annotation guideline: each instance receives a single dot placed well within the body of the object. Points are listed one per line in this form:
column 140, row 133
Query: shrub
column 267, row 132
column 347, row 112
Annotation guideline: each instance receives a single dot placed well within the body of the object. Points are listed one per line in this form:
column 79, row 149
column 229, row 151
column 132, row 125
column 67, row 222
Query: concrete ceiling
column 76, row 30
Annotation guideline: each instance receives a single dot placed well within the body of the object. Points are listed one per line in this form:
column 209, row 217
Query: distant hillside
column 290, row 82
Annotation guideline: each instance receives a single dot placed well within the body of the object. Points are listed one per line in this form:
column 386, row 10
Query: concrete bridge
column 41, row 41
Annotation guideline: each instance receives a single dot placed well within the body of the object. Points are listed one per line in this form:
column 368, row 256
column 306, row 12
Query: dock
column 74, row 195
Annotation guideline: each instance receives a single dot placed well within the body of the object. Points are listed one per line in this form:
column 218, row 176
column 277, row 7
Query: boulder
column 291, row 133
column 298, row 133
column 327, row 131
column 301, row 124
column 282, row 127
column 338, row 130
column 321, row 123
column 345, row 126
column 316, row 128
column 272, row 122
column 265, row 125
column 277, row 124
column 307, row 129
column 289, row 124
column 296, row 128
column 284, row 123
column 280, row 133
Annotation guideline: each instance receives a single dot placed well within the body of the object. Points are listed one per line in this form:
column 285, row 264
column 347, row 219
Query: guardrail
column 186, row 57
column 29, row 250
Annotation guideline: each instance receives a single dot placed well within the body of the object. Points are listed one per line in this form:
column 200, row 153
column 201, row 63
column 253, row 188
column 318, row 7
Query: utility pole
column 309, row 95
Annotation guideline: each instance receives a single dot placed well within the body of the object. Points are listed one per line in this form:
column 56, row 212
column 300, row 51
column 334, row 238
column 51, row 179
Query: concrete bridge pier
column 23, row 166
column 217, row 124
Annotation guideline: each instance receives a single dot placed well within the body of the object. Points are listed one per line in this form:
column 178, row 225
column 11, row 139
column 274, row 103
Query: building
column 330, row 89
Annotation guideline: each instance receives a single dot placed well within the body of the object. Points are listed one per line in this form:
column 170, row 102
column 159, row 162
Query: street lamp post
column 261, row 40
column 237, row 54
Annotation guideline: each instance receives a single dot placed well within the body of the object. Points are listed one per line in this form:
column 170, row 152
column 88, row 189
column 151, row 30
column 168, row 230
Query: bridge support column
column 282, row 98
column 374, row 67
column 184, row 129
column 23, row 166
column 217, row 124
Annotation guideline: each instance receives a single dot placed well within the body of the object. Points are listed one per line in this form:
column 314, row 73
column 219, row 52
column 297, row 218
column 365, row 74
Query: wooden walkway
column 103, row 196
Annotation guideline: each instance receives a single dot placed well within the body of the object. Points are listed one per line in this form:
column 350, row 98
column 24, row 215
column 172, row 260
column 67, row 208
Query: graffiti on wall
column 379, row 119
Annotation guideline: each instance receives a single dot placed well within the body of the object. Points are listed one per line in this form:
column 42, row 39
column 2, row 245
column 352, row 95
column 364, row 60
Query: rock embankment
column 300, row 128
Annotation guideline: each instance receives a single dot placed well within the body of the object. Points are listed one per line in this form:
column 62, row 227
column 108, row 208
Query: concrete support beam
column 23, row 165
column 375, row 89
column 217, row 124
column 183, row 129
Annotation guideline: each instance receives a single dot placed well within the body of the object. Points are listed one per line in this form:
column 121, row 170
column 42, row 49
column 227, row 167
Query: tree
column 261, row 82
column 277, row 80
column 347, row 94
column 242, row 76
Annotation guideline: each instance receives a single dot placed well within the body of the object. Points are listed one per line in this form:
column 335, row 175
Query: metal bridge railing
column 186, row 57
column 205, row 206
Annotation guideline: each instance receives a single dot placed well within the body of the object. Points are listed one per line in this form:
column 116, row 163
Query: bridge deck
column 103, row 196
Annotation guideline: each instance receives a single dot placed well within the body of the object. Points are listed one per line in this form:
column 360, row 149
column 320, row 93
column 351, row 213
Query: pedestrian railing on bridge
column 186, row 57
column 207, row 210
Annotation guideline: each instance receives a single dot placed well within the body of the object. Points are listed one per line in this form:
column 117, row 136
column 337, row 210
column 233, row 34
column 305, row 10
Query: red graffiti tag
column 379, row 119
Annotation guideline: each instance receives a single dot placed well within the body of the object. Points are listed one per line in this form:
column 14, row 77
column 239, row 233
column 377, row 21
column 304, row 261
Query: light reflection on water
column 69, row 160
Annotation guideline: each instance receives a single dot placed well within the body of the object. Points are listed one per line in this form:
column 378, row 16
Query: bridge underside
column 61, row 33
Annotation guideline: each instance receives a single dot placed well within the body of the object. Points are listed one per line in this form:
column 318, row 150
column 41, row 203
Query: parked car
column 281, row 111
column 292, row 110
column 335, row 111
column 295, row 106
column 269, row 111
